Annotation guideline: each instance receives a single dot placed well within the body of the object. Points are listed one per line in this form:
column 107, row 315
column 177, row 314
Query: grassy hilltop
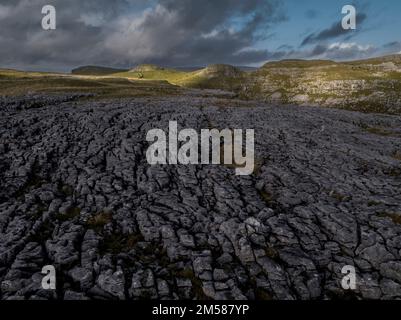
column 213, row 77
column 372, row 85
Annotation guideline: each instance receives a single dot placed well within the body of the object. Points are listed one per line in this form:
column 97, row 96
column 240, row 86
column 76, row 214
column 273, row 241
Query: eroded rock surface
column 77, row 193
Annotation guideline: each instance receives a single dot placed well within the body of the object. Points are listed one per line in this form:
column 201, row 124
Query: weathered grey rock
column 391, row 270
column 219, row 275
column 82, row 276
column 77, row 193
column 112, row 283
column 74, row 296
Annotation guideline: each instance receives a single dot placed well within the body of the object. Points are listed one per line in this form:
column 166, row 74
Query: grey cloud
column 343, row 51
column 334, row 31
column 338, row 51
column 318, row 50
column 197, row 32
column 24, row 44
column 123, row 32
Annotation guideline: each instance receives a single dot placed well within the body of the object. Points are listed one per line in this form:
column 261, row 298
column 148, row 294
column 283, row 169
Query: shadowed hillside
column 95, row 70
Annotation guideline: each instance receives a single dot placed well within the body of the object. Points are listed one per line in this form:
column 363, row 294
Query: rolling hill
column 217, row 76
column 372, row 85
column 95, row 71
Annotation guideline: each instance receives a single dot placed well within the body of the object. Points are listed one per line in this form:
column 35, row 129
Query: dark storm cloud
column 334, row 31
column 125, row 32
column 23, row 43
column 196, row 32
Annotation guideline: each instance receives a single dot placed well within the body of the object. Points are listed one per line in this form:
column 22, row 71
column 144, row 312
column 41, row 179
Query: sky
column 188, row 33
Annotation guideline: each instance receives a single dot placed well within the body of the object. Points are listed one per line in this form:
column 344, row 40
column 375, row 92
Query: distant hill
column 153, row 72
column 221, row 70
column 217, row 76
column 395, row 58
column 297, row 63
column 192, row 68
column 147, row 68
column 188, row 69
column 95, row 71
column 371, row 85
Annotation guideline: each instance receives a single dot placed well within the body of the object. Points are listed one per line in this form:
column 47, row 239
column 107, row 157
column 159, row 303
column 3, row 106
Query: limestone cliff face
column 370, row 85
